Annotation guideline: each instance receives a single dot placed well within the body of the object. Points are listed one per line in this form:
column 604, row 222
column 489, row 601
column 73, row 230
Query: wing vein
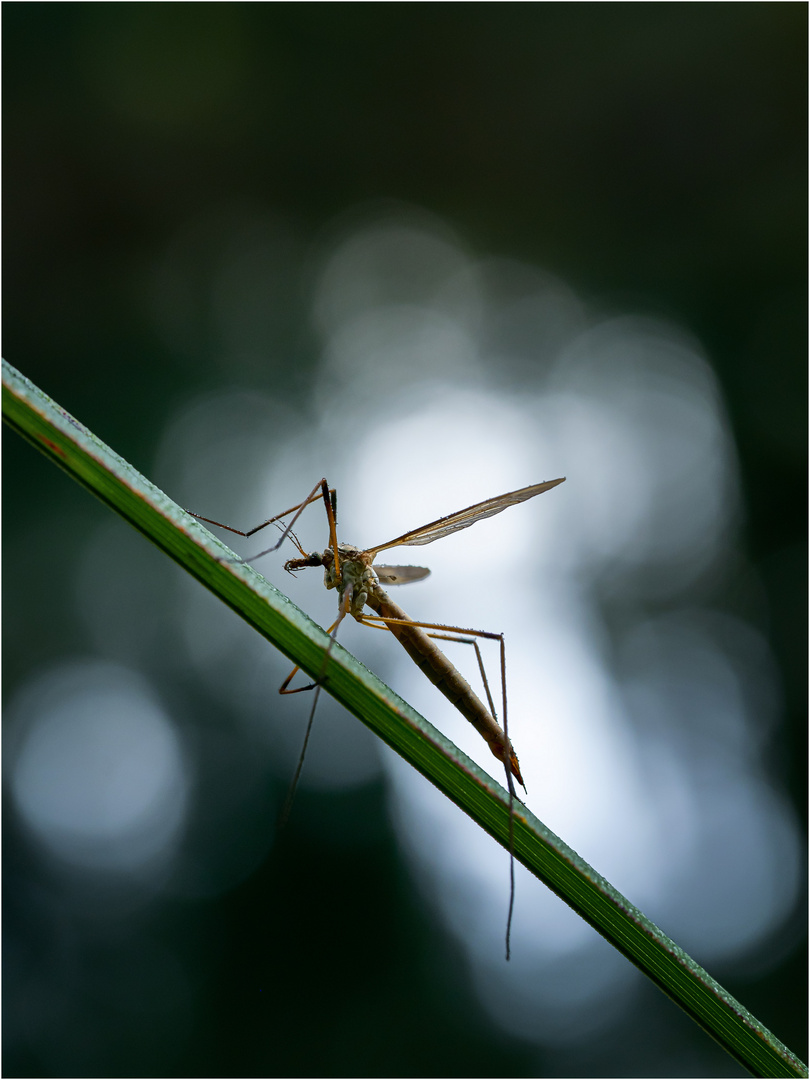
column 462, row 519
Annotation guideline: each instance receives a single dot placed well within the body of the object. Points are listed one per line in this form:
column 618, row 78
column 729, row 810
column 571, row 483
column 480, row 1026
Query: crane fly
column 359, row 582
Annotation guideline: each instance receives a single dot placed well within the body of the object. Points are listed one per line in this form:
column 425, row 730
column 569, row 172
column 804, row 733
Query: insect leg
column 316, row 493
column 310, row 686
column 377, row 620
column 440, row 637
column 344, row 609
column 379, row 623
column 479, row 657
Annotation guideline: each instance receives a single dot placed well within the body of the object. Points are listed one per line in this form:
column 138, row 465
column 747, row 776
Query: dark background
column 653, row 154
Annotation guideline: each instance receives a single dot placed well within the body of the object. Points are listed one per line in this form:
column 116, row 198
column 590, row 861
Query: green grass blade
column 76, row 450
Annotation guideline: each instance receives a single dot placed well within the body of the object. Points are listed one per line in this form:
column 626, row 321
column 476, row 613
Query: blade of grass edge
column 89, row 461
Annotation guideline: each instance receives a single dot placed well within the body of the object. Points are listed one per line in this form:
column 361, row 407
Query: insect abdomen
column 444, row 676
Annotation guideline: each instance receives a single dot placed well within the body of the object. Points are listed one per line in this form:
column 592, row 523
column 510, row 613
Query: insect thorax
column 355, row 570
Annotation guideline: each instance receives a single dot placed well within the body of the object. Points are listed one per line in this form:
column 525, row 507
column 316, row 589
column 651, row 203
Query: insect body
column 360, row 581
column 350, row 570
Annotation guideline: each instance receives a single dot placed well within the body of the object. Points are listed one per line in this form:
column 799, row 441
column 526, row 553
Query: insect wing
column 462, row 519
column 400, row 575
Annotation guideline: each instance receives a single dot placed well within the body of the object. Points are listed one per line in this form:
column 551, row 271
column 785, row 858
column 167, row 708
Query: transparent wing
column 435, row 530
column 400, row 575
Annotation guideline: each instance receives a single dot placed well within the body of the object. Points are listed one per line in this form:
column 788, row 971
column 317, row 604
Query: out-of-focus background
column 433, row 253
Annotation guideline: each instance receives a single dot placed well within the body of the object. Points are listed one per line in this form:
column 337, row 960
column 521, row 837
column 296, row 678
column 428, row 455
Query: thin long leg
column 316, row 493
column 377, row 620
column 321, row 490
column 288, row 802
column 438, row 637
column 511, row 785
column 329, row 497
column 479, row 657
column 383, row 620
column 330, row 502
column 310, row 686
